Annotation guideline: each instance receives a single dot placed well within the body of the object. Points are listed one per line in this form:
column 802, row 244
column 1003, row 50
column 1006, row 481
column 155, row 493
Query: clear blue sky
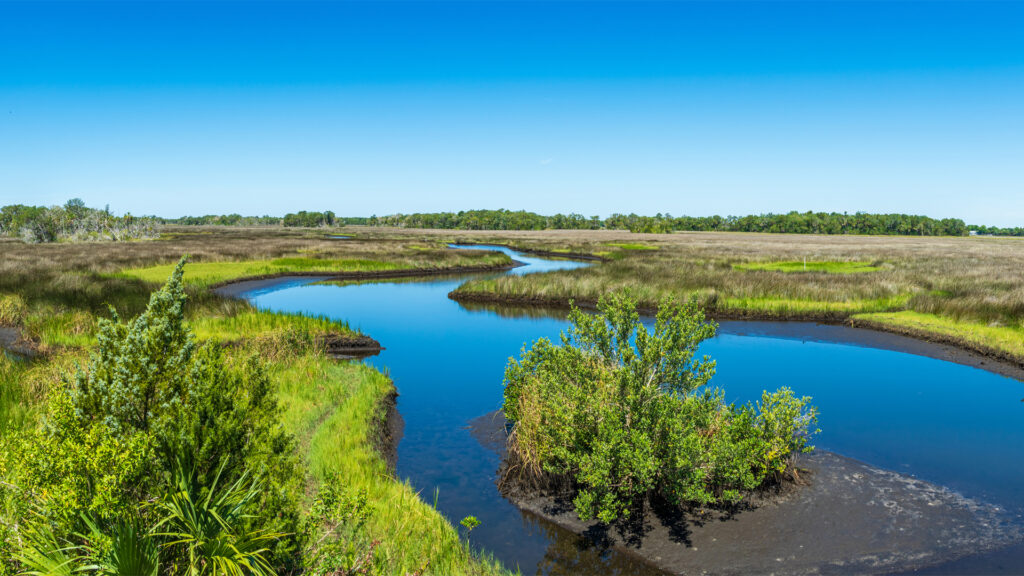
column 680, row 107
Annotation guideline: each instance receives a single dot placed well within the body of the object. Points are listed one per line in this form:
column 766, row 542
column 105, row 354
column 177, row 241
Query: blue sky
column 682, row 107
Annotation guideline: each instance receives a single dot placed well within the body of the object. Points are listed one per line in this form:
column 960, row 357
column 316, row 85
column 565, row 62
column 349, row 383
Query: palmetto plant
column 123, row 548
column 208, row 527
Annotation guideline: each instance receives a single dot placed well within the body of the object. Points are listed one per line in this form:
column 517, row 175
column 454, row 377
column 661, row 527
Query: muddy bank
column 542, row 253
column 848, row 517
column 347, row 346
column 235, row 288
column 12, row 341
column 996, row 359
column 818, row 328
column 388, row 432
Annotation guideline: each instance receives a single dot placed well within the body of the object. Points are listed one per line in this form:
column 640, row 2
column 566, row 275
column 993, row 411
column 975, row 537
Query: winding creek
column 947, row 423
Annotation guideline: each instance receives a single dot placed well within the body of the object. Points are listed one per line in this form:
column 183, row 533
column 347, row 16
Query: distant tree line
column 790, row 223
column 299, row 219
column 796, row 223
column 73, row 221
column 223, row 220
column 489, row 220
column 995, row 231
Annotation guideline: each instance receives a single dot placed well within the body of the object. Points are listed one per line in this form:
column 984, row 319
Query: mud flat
column 845, row 517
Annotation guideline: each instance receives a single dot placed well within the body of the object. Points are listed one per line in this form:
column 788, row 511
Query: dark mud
column 348, row 346
column 845, row 517
column 11, row 341
column 389, row 431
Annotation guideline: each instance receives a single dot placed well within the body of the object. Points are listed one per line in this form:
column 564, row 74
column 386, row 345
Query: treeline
column 223, row 220
column 489, row 220
column 796, row 223
column 299, row 219
column 995, row 230
column 790, row 223
column 73, row 221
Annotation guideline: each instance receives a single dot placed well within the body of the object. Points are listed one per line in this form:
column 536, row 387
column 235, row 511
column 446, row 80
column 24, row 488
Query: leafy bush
column 617, row 413
column 158, row 444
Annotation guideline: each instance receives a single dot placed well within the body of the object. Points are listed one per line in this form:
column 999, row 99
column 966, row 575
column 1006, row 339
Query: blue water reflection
column 947, row 423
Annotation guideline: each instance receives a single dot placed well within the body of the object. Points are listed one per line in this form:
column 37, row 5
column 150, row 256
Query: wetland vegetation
column 617, row 415
column 336, row 505
column 95, row 458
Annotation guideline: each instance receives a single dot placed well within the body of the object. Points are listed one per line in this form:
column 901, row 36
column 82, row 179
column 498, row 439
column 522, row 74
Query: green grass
column 12, row 309
column 830, row 267
column 334, row 409
column 1006, row 339
column 209, row 273
column 252, row 323
column 631, row 246
column 782, row 307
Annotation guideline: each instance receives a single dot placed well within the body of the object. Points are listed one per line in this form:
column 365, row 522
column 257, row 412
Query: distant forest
column 790, row 223
column 995, row 231
column 75, row 221
column 298, row 219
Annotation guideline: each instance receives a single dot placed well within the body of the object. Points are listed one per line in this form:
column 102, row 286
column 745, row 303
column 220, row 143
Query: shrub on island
column 616, row 414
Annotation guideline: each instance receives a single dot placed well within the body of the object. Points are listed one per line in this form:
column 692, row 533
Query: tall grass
column 209, row 273
column 252, row 323
column 985, row 337
column 335, row 410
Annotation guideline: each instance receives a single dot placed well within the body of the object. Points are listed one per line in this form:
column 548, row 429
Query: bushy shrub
column 163, row 440
column 618, row 413
column 72, row 222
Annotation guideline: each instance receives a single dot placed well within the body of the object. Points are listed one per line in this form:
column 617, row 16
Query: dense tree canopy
column 995, row 230
column 791, row 223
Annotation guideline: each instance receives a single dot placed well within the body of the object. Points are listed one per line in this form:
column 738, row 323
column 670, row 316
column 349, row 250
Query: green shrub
column 617, row 413
column 172, row 438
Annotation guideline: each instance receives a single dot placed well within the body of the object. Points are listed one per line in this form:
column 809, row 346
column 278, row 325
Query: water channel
column 947, row 423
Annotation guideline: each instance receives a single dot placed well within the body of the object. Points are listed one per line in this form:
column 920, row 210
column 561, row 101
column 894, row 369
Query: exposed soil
column 846, row 517
column 836, row 328
column 12, row 341
column 346, row 346
column 389, row 431
column 544, row 253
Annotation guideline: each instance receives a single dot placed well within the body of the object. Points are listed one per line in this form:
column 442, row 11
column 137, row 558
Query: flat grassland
column 965, row 291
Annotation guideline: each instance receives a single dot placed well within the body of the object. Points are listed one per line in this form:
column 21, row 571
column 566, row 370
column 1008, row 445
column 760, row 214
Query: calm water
column 950, row 424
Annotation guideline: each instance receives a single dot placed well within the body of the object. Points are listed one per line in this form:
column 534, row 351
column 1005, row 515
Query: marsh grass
column 206, row 274
column 55, row 293
column 335, row 410
column 632, row 246
column 823, row 267
column 1005, row 339
column 972, row 279
column 250, row 322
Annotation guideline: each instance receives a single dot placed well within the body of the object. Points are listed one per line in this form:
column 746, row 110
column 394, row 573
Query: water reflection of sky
column 950, row 424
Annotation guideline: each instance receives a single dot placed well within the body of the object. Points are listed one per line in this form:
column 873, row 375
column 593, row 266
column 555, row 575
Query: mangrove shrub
column 617, row 413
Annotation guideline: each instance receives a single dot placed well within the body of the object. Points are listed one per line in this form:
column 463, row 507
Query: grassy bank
column 964, row 290
column 55, row 294
column 335, row 410
column 1002, row 341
